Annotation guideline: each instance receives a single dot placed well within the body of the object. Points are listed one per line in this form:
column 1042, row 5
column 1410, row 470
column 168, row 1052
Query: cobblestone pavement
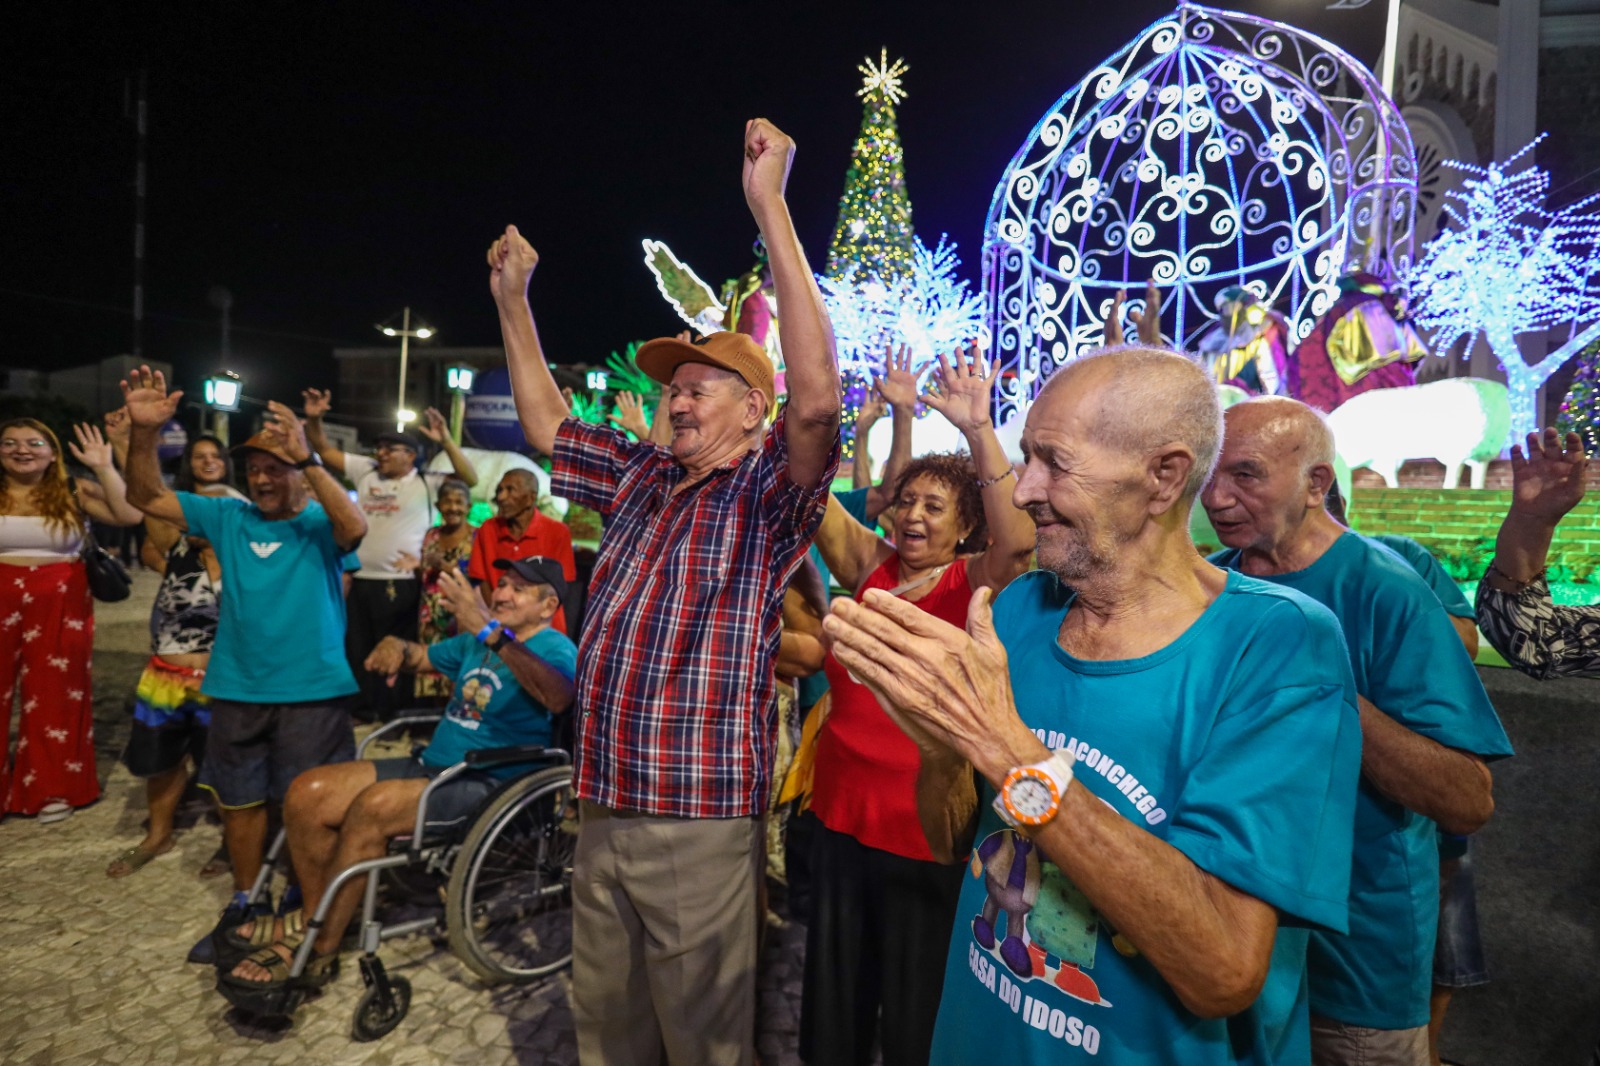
column 92, row 970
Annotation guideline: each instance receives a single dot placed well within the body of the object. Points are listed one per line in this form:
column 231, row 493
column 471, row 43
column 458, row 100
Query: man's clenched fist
column 768, row 151
column 511, row 263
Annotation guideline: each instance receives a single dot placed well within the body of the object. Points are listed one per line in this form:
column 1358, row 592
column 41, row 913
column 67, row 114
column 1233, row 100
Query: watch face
column 1030, row 799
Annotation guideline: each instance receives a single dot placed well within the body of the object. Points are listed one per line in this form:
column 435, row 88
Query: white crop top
column 31, row 537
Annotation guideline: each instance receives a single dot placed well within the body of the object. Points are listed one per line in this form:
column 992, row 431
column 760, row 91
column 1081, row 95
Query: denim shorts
column 254, row 750
column 1458, row 952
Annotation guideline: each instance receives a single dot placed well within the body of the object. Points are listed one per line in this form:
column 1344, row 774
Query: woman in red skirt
column 46, row 615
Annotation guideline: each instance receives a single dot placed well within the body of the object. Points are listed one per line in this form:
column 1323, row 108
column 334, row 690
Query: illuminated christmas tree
column 873, row 237
column 1580, row 411
column 1508, row 265
column 930, row 310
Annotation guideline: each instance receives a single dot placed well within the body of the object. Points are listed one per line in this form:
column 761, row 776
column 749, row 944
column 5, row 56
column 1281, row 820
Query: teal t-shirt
column 1239, row 745
column 487, row 708
column 1428, row 569
column 1409, row 662
column 280, row 630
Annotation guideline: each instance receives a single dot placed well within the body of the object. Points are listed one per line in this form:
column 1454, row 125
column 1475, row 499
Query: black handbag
column 109, row 581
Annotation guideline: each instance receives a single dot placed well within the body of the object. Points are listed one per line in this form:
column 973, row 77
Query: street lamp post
column 458, row 379
column 405, row 333
column 223, row 391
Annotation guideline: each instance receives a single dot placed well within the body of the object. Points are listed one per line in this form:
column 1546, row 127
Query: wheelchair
column 506, row 886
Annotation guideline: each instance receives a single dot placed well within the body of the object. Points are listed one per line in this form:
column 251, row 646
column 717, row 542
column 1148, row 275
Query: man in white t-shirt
column 397, row 500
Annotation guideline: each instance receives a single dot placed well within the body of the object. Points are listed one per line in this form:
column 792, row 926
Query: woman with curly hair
column 882, row 907
column 46, row 616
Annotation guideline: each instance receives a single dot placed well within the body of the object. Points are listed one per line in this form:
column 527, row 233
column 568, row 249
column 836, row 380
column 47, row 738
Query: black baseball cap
column 539, row 569
column 405, row 440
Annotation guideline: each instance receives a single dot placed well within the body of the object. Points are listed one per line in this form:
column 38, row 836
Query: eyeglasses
column 19, row 445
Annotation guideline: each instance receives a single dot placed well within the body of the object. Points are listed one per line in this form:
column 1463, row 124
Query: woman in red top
column 882, row 908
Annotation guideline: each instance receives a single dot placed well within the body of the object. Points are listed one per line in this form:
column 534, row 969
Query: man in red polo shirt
column 519, row 531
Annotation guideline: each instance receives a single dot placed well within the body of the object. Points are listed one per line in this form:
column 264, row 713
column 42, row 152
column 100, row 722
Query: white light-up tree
column 1509, row 265
column 930, row 311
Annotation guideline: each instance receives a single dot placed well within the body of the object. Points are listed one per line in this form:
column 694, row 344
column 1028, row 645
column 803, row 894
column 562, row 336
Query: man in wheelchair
column 511, row 673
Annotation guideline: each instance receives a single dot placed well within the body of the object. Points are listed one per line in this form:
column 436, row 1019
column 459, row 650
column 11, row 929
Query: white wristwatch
column 1031, row 796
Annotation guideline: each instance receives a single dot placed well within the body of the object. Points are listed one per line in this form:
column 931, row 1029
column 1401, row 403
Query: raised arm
column 963, row 397
column 1545, row 485
column 898, row 387
column 872, row 408
column 349, row 524
column 538, row 678
column 851, row 550
column 811, row 421
column 1454, row 788
column 951, row 691
column 105, row 499
column 540, row 406
column 317, row 403
column 149, row 407
column 435, row 429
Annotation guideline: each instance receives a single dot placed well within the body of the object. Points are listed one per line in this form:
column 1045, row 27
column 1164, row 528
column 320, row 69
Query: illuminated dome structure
column 1216, row 149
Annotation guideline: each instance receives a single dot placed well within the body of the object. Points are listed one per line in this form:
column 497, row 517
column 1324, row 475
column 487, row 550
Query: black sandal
column 280, row 994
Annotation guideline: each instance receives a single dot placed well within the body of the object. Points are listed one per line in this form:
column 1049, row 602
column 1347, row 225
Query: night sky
column 329, row 164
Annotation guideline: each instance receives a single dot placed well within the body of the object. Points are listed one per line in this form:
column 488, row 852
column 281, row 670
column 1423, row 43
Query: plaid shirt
column 675, row 685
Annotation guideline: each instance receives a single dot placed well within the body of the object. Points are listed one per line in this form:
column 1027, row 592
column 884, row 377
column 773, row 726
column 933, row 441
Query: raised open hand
column 768, row 152
column 629, row 415
column 462, row 600
column 433, row 426
column 1549, row 482
column 90, row 449
column 318, row 402
column 965, row 386
column 118, row 426
column 1148, row 319
column 289, row 429
column 145, row 398
column 872, row 409
column 511, row 263
column 1112, row 335
column 898, row 384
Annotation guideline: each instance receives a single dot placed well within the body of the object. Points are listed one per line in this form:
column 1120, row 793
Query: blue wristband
column 488, row 631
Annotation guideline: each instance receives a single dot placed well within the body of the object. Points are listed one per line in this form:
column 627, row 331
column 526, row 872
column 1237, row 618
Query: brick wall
column 1455, row 521
column 1429, row 474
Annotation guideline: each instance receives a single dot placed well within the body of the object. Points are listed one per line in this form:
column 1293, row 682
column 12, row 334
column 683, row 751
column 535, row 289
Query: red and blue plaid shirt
column 678, row 714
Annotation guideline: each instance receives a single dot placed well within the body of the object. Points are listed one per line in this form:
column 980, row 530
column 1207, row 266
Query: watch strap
column 1057, row 769
column 313, row 459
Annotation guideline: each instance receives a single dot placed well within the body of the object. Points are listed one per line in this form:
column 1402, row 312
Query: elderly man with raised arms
column 677, row 711
column 1427, row 726
column 1165, row 754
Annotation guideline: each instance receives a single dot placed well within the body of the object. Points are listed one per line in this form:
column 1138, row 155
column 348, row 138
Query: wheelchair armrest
column 514, row 753
column 398, row 723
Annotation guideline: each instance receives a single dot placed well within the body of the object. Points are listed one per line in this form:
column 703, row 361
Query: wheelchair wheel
column 376, row 1015
column 508, row 908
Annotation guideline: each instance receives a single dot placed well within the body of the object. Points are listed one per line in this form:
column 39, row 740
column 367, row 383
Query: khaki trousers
column 1337, row 1044
column 664, row 939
